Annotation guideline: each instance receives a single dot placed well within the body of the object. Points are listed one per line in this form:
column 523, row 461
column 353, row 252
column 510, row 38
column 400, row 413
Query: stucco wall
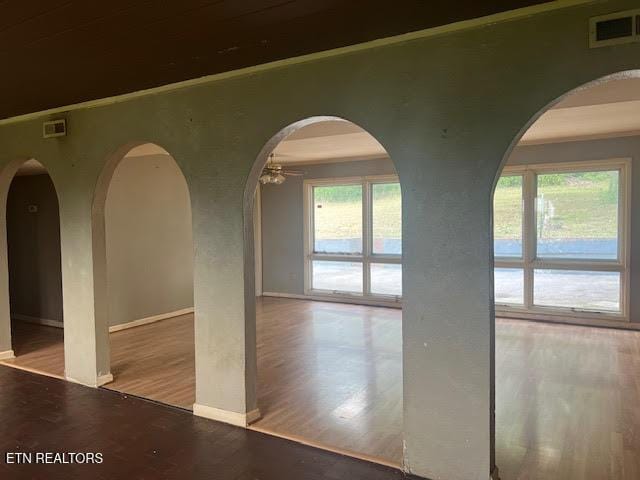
column 445, row 107
column 148, row 238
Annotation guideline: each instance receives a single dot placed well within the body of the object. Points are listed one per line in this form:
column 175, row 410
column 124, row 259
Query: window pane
column 509, row 286
column 577, row 215
column 387, row 218
column 386, row 278
column 575, row 289
column 339, row 276
column 337, row 219
column 507, row 217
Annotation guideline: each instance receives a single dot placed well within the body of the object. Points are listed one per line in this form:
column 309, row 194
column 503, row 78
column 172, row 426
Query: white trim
column 366, row 258
column 100, row 380
column 530, row 261
column 152, row 319
column 450, row 28
column 37, row 320
column 566, row 319
column 114, row 328
column 333, row 298
column 226, row 416
column 579, row 138
column 104, row 379
column 330, row 160
column 7, row 355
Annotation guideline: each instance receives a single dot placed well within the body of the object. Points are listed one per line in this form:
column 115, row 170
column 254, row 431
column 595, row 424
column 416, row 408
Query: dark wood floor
column 566, row 396
column 143, row 440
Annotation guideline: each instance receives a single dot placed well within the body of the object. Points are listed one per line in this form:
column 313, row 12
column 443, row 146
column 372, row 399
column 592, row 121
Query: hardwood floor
column 37, row 348
column 331, row 374
column 567, row 402
column 143, row 440
column 156, row 361
column 567, row 397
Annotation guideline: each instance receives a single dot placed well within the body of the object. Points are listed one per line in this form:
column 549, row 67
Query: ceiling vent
column 614, row 29
column 54, row 128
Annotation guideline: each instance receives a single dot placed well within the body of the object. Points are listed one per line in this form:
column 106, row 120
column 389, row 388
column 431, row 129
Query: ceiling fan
column 274, row 173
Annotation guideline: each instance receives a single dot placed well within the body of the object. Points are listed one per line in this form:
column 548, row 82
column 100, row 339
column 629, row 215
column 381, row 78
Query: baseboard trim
column 566, row 320
column 114, row 328
column 152, row 319
column 100, row 380
column 104, row 379
column 331, row 299
column 226, row 416
column 7, row 355
column 37, row 320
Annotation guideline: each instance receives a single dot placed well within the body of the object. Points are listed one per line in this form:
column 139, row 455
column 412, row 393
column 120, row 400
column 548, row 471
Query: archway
column 143, row 204
column 34, row 268
column 563, row 217
column 329, row 324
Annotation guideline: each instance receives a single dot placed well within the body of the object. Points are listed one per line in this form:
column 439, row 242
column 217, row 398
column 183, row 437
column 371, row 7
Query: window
column 560, row 239
column 507, row 217
column 353, row 237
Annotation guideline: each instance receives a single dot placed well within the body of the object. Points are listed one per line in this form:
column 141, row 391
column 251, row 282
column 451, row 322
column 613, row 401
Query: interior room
column 248, row 238
column 328, row 270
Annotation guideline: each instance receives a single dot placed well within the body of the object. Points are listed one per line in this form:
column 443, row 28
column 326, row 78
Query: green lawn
column 343, row 218
column 577, row 206
column 573, row 206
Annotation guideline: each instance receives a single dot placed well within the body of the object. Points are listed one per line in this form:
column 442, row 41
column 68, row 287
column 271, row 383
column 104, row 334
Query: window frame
column 366, row 258
column 529, row 262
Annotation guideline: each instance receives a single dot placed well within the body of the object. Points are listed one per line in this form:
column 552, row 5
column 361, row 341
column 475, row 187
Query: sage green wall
column 445, row 107
column 148, row 238
column 33, row 239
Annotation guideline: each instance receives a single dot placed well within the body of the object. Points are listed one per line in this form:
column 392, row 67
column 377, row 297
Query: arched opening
column 34, row 269
column 324, row 222
column 567, row 287
column 148, row 258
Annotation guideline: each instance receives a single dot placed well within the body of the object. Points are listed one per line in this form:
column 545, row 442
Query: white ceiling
column 607, row 109
column 328, row 141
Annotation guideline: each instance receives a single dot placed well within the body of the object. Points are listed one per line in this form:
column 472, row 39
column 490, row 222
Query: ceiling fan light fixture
column 265, row 178
column 274, row 174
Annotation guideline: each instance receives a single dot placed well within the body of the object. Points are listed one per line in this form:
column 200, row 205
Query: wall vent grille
column 54, row 128
column 614, row 28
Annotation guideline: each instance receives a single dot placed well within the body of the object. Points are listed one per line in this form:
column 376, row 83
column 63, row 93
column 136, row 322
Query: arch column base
column 226, row 416
column 100, row 380
column 7, row 355
column 495, row 475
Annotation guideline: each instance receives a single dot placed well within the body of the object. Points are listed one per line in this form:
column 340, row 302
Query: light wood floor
column 37, row 348
column 567, row 402
column 568, row 398
column 331, row 373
